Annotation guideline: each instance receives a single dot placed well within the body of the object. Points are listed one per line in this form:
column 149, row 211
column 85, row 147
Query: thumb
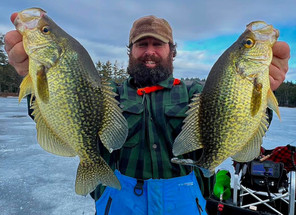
column 13, row 16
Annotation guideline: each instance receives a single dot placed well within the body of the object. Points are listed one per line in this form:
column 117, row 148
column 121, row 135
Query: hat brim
column 157, row 36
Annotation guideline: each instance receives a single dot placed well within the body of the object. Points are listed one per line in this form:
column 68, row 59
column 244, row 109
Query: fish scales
column 228, row 118
column 72, row 106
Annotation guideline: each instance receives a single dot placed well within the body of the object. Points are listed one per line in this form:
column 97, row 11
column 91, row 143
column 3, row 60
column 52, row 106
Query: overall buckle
column 138, row 189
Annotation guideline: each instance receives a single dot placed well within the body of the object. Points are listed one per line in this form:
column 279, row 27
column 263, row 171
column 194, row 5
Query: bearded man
column 154, row 104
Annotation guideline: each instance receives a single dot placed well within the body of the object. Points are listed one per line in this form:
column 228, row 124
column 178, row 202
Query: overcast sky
column 202, row 29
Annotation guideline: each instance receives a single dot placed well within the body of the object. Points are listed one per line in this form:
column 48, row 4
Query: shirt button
column 154, row 146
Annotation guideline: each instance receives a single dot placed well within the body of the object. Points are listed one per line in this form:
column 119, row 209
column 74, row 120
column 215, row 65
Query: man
column 154, row 104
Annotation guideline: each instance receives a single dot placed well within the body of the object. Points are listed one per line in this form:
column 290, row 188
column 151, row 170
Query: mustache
column 149, row 58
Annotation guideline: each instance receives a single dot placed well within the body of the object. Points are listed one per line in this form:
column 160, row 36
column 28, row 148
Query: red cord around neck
column 146, row 90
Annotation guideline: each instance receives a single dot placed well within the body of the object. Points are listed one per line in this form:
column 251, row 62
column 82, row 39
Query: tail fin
column 188, row 162
column 91, row 174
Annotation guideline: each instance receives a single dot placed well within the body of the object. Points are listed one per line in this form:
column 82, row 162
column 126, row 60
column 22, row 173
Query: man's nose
column 150, row 50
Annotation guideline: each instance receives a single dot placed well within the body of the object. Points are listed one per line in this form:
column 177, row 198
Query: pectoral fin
column 26, row 87
column 256, row 99
column 42, row 85
column 272, row 103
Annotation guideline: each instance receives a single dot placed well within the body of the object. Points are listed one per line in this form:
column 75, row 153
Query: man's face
column 150, row 61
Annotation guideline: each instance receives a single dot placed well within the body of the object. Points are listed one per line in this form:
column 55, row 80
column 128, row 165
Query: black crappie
column 228, row 119
column 72, row 107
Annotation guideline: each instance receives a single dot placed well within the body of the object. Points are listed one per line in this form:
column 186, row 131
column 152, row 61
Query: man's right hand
column 17, row 56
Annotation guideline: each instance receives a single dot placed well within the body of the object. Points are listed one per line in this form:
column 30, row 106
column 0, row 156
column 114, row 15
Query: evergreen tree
column 9, row 79
column 109, row 71
column 286, row 94
column 3, row 58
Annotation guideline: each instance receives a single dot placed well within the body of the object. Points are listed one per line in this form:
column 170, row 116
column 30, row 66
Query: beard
column 144, row 76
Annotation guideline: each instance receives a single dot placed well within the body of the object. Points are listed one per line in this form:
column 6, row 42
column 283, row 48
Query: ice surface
column 33, row 181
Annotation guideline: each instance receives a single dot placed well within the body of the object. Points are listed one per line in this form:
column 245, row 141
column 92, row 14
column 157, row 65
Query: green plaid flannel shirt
column 154, row 121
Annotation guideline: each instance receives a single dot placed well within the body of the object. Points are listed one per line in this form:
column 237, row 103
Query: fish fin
column 272, row 103
column 188, row 162
column 91, row 174
column 26, row 87
column 256, row 99
column 206, row 172
column 47, row 139
column 252, row 149
column 187, row 140
column 42, row 85
column 114, row 129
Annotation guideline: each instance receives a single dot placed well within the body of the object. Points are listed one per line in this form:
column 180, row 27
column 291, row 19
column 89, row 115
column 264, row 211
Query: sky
column 202, row 29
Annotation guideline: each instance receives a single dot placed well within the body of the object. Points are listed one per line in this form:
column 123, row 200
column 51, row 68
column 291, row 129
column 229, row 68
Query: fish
column 72, row 107
column 228, row 118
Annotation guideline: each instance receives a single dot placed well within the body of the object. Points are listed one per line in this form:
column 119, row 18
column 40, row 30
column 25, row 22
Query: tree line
column 286, row 94
column 10, row 80
column 111, row 71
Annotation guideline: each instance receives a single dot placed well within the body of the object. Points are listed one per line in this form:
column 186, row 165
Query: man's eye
column 158, row 44
column 142, row 44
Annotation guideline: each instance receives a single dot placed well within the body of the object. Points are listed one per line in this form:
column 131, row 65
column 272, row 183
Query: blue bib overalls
column 175, row 196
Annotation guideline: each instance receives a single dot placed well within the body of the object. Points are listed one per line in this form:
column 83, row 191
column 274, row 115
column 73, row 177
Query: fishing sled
column 267, row 184
column 264, row 186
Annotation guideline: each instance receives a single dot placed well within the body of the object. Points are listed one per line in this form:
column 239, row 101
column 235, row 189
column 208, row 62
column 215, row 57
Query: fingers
column 12, row 17
column 281, row 50
column 17, row 56
column 279, row 65
column 276, row 77
column 12, row 38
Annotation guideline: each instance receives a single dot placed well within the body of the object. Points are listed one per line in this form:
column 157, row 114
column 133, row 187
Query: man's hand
column 279, row 64
column 17, row 56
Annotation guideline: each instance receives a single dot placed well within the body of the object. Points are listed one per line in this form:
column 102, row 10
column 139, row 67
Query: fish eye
column 45, row 30
column 249, row 43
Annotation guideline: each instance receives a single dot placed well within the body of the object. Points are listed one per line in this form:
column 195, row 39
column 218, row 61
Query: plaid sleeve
column 194, row 88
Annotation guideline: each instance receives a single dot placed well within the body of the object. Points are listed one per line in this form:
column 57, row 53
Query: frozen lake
column 33, row 181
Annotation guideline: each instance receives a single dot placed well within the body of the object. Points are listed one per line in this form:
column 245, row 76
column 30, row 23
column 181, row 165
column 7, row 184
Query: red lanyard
column 146, row 90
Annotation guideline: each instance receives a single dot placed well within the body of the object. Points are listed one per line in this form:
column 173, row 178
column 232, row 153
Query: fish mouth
column 264, row 31
column 28, row 19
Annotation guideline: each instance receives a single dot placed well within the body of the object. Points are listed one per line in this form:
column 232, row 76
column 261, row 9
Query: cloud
column 104, row 52
column 191, row 64
column 103, row 26
column 4, row 29
column 291, row 75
